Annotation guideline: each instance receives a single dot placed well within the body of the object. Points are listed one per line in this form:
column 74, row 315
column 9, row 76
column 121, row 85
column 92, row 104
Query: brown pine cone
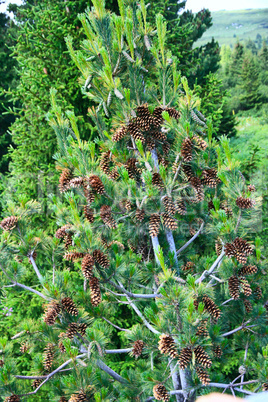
column 69, row 306
column 248, row 270
column 251, row 188
column 181, row 208
column 137, row 348
column 95, row 291
column 244, row 203
column 1, row 363
column 140, row 214
column 248, row 306
column 62, row 231
column 87, row 266
column 134, row 130
column 186, row 149
column 160, row 393
column 169, row 205
column 217, row 351
column 119, row 134
column 202, row 375
column 189, row 265
column 12, row 398
column 199, row 142
column 101, row 258
column 36, row 383
column 9, row 223
column 64, row 181
column 51, row 312
column 76, row 182
column 245, row 287
column 48, row 356
column 258, row 293
column 106, row 216
column 73, row 255
column 71, row 330
column 209, row 178
column 202, row 329
column 157, row 181
column 105, row 162
column 167, row 346
column 82, row 329
column 233, row 284
column 185, row 357
column 265, row 386
column 154, row 224
column 157, row 115
column 202, row 357
column 169, row 222
column 96, row 184
column 211, row 307
column 89, row 213
column 173, row 113
column 24, row 347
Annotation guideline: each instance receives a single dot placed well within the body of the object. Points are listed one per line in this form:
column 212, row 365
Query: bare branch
column 146, row 323
column 234, row 386
column 40, row 277
column 236, row 329
column 130, row 294
column 31, row 290
column 115, row 326
column 113, row 351
column 111, row 372
column 212, row 268
column 191, row 240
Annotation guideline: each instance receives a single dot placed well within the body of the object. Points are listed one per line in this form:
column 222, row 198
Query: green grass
column 230, row 26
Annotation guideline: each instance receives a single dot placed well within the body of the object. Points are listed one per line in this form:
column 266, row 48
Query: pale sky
column 197, row 5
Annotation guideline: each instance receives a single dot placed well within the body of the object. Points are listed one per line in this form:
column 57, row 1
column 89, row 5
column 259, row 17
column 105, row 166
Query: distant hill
column 229, row 26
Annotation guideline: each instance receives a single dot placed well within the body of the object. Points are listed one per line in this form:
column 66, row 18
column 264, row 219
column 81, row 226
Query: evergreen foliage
column 182, row 322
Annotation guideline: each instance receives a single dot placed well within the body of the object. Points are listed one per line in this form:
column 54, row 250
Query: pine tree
column 138, row 262
column 250, row 97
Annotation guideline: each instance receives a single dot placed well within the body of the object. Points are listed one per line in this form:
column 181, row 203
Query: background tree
column 149, row 185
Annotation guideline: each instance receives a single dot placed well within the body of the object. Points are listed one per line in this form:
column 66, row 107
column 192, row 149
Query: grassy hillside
column 229, row 26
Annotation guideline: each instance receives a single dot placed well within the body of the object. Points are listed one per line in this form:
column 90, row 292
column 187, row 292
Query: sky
column 197, row 5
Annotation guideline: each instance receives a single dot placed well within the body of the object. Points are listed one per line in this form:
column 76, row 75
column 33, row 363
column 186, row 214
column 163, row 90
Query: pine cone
column 95, row 291
column 96, row 184
column 245, row 287
column 173, row 113
column 248, row 306
column 248, row 270
column 88, row 212
column 140, row 214
column 51, row 313
column 209, row 178
column 157, row 114
column 62, row 231
column 114, row 174
column 137, row 348
column 198, row 188
column 68, row 241
column 48, row 356
column 181, row 208
column 73, row 255
column 105, row 162
column 202, row 329
column 119, row 134
column 186, row 149
column 251, row 188
column 202, row 375
column 218, row 247
column 71, row 330
column 61, row 347
column 76, row 182
column 258, row 293
column 244, row 203
column 160, row 393
column 265, row 386
column 185, row 357
column 69, row 306
column 12, row 398
column 167, row 346
column 200, row 143
column 217, row 351
column 101, row 258
column 63, row 399
column 169, row 205
column 125, row 205
column 157, row 181
column 188, row 172
column 211, row 307
column 87, row 266
column 233, row 284
column 134, row 130
column 2, row 363
column 64, row 181
column 154, row 225
column 106, row 216
column 239, row 249
column 36, row 383
column 169, row 222
column 24, row 347
column 82, row 329
column 89, row 194
column 189, row 265
column 202, row 357
column 131, row 167
column 79, row 397
column 9, row 223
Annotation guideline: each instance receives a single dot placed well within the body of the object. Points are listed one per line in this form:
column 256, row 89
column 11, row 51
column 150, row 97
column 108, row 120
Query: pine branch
column 191, row 240
column 40, row 277
column 243, row 326
column 146, row 323
column 115, row 326
column 135, row 295
column 111, row 372
column 234, row 386
column 172, row 247
column 205, row 274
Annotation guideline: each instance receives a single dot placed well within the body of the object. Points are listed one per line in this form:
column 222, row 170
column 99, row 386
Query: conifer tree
column 144, row 203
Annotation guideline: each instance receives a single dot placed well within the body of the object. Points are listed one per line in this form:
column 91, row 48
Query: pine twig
column 115, row 326
column 40, row 277
column 191, row 240
column 212, row 268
